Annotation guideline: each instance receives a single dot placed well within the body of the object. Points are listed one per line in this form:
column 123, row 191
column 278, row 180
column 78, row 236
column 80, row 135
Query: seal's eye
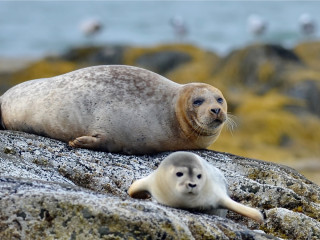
column 220, row 100
column 198, row 102
column 179, row 174
column 199, row 176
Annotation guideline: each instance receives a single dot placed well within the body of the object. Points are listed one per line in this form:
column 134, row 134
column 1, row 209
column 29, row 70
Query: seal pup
column 117, row 108
column 185, row 180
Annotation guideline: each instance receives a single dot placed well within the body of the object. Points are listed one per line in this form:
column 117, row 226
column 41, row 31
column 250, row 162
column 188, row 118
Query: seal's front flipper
column 139, row 189
column 92, row 142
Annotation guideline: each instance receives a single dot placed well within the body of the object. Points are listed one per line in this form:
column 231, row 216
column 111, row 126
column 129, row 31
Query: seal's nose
column 192, row 185
column 215, row 110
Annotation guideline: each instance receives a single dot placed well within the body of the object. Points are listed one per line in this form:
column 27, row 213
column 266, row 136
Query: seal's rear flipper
column 243, row 210
column 91, row 142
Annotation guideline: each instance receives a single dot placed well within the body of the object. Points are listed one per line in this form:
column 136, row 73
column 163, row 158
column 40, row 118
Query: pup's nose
column 215, row 110
column 192, row 185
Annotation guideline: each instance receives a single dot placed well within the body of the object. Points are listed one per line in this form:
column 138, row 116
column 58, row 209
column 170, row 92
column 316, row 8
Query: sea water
column 37, row 28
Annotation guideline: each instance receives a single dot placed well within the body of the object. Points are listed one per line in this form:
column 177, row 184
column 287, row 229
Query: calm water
column 36, row 28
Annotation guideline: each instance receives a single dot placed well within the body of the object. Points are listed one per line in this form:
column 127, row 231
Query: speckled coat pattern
column 133, row 110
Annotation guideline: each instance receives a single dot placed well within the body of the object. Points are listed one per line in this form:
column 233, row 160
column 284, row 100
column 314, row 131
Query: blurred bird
column 307, row 24
column 256, row 25
column 90, row 27
column 179, row 27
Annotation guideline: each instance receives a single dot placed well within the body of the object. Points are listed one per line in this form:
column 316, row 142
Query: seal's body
column 185, row 180
column 117, row 109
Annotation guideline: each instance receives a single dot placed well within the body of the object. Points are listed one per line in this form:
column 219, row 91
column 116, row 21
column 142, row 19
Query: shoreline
column 9, row 64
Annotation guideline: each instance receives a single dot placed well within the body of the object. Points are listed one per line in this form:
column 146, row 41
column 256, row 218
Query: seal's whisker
column 200, row 131
column 192, row 133
column 231, row 122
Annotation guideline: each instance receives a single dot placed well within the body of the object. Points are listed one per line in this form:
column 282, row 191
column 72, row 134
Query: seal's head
column 186, row 172
column 201, row 111
column 182, row 177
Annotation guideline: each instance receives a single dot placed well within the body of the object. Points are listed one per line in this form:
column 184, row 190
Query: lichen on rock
column 81, row 194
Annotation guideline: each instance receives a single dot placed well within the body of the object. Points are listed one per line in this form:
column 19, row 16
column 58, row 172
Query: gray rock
column 164, row 61
column 51, row 191
column 309, row 91
column 95, row 55
column 246, row 65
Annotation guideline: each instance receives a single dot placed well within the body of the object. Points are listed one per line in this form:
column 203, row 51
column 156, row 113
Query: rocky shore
column 273, row 92
column 50, row 191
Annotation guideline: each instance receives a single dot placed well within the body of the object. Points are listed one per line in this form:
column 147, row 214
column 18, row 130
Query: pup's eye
column 220, row 100
column 198, row 102
column 199, row 176
column 179, row 174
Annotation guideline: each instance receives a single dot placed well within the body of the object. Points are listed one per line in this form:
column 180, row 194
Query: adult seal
column 185, row 180
column 117, row 108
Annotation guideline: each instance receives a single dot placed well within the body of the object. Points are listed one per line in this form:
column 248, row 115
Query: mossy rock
column 42, row 69
column 275, row 96
column 95, row 55
column 181, row 63
column 267, row 130
column 257, row 66
column 304, row 84
column 309, row 53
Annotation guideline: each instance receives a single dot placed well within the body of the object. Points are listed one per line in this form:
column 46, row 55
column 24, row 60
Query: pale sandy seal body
column 185, row 180
column 117, row 109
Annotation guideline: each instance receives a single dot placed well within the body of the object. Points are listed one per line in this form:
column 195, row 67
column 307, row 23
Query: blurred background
column 264, row 56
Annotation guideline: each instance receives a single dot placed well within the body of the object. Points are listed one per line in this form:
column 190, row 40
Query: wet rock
column 49, row 190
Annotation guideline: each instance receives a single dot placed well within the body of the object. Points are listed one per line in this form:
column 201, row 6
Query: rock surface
column 163, row 62
column 50, row 191
column 90, row 56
